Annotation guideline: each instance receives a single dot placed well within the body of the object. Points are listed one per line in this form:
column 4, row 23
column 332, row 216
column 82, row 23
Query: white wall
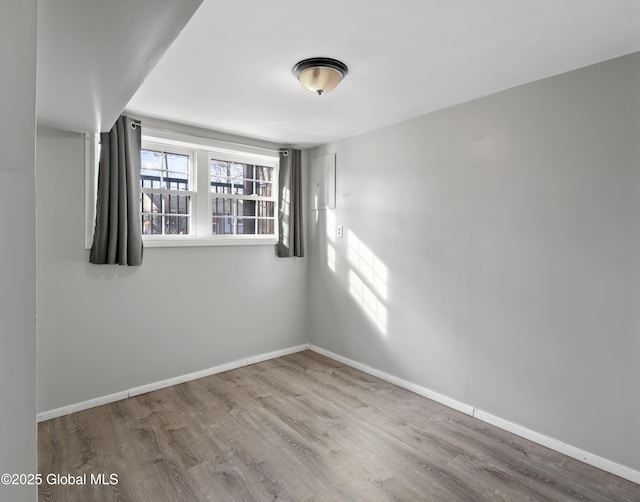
column 510, row 228
column 104, row 329
column 17, row 243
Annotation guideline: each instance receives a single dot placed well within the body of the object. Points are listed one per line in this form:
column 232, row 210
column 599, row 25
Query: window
column 206, row 194
column 197, row 191
column 166, row 188
column 242, row 201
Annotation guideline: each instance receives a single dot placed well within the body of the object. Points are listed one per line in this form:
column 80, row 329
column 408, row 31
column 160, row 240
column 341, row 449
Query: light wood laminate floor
column 302, row 428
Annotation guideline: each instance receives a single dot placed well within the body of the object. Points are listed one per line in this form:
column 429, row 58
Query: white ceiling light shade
column 320, row 75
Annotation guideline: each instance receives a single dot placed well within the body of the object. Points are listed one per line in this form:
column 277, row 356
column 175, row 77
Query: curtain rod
column 284, row 151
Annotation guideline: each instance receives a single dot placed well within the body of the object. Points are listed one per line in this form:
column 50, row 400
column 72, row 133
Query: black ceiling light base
column 320, row 75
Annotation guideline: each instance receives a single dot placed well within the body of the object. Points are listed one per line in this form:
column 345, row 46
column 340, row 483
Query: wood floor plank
column 303, row 428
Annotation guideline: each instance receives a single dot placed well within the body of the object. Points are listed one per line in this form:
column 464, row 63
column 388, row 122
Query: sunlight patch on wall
column 369, row 302
column 368, row 266
column 368, row 281
column 331, row 257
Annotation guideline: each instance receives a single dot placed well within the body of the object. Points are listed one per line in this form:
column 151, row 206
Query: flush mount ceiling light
column 320, row 75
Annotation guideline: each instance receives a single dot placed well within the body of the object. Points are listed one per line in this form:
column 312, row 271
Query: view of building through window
column 241, row 196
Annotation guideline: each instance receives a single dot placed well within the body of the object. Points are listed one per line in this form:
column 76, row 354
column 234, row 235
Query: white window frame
column 225, row 157
column 203, row 150
column 191, row 192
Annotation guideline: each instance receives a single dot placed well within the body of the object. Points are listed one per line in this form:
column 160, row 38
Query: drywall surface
column 491, row 253
column 93, row 56
column 17, row 244
column 104, row 329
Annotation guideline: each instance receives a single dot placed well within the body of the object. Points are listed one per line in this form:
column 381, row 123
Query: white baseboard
column 91, row 403
column 143, row 389
column 435, row 396
column 551, row 443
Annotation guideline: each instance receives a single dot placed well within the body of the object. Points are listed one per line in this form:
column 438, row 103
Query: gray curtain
column 290, row 242
column 118, row 237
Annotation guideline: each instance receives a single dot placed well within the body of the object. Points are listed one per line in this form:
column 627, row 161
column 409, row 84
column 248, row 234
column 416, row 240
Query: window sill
column 176, row 242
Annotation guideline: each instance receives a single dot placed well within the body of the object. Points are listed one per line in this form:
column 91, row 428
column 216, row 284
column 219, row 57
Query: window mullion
column 163, row 209
column 162, row 191
column 234, row 215
column 202, row 214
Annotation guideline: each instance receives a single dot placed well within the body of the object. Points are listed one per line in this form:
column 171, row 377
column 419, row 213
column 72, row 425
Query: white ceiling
column 94, row 54
column 230, row 68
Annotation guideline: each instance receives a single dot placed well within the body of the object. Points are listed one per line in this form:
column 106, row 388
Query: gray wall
column 17, row 244
column 510, row 228
column 105, row 329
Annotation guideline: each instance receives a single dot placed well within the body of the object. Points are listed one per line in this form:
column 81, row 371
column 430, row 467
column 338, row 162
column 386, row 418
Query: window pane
column 176, row 204
column 222, row 226
column 176, row 225
column 265, row 208
column 236, row 170
column 238, row 187
column 245, row 226
column 151, row 203
column 176, row 181
column 240, row 179
column 151, row 161
column 151, row 225
column 177, row 163
column 263, row 189
column 219, row 174
column 218, row 168
column 246, row 207
column 217, row 207
column 164, row 214
column 246, row 187
column 164, row 170
column 265, row 227
column 221, row 206
column 264, row 173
